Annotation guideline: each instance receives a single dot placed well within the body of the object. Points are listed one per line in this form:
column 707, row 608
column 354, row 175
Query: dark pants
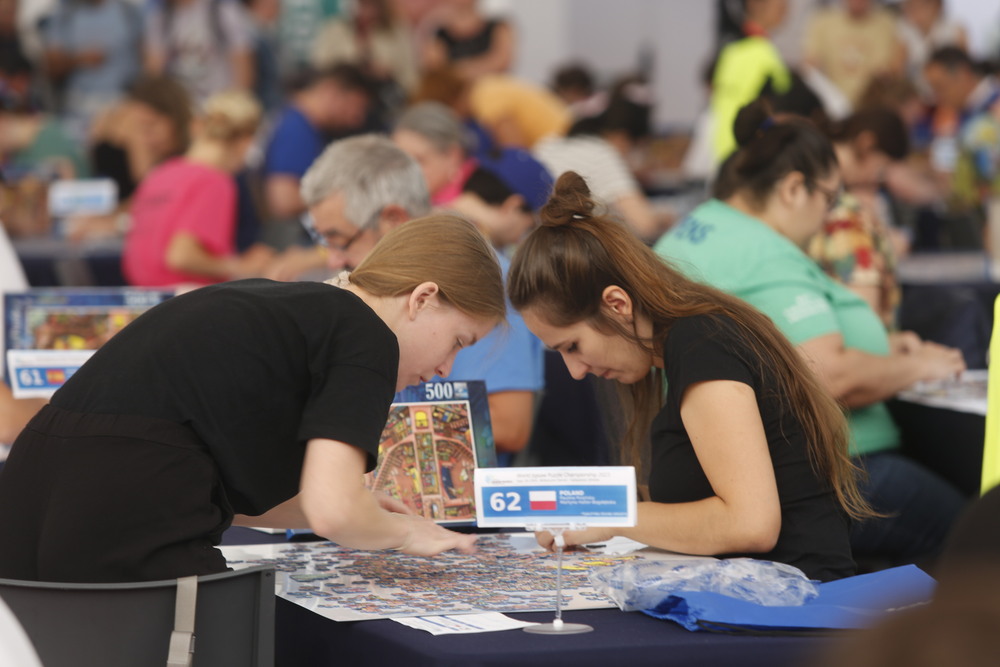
column 921, row 508
column 108, row 498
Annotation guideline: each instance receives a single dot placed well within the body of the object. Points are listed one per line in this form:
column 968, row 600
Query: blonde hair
column 230, row 115
column 442, row 249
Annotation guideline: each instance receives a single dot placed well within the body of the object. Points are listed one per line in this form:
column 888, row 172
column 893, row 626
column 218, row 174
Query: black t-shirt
column 255, row 368
column 814, row 528
column 111, row 161
column 470, row 46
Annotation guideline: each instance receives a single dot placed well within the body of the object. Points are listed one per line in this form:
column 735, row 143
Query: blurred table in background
column 948, row 298
column 55, row 262
column 943, row 426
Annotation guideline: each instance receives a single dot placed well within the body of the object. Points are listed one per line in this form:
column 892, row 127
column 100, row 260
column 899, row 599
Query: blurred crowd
column 231, row 101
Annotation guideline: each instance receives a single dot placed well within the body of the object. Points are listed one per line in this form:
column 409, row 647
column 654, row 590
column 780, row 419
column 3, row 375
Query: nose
column 444, row 369
column 577, row 369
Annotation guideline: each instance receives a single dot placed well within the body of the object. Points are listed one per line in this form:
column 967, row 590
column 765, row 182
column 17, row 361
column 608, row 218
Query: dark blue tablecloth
column 619, row 638
column 304, row 638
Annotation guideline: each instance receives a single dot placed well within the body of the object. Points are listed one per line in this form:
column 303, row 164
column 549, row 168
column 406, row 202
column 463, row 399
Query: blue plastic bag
column 644, row 584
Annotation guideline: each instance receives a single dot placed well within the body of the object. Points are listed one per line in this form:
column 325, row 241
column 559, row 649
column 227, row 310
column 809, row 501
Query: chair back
column 130, row 624
column 991, row 444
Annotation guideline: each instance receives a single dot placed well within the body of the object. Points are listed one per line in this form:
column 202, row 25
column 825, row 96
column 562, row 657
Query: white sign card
column 556, row 496
column 39, row 373
column 94, row 196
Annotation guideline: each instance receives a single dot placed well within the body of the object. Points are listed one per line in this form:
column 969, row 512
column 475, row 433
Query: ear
column 790, row 188
column 617, row 302
column 393, row 215
column 512, row 203
column 423, row 296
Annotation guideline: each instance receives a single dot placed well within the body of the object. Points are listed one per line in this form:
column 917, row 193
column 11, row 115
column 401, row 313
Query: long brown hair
column 561, row 271
column 443, row 249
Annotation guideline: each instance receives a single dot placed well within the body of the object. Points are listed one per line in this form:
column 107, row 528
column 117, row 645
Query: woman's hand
column 426, row 538
column 574, row 537
column 938, row 362
column 935, row 361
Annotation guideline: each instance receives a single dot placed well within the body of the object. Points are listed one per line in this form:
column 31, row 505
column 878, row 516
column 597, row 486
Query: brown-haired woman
column 773, row 196
column 749, row 455
column 254, row 398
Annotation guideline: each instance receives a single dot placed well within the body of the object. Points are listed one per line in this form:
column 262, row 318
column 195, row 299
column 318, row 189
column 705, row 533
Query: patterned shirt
column 853, row 247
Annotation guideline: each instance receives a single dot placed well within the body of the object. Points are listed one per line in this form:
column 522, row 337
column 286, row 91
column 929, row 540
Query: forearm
column 286, row 515
column 639, row 215
column 185, row 254
column 365, row 525
column 511, row 415
column 858, row 379
column 705, row 527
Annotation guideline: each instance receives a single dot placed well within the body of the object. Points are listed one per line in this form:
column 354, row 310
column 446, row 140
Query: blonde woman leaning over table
column 255, row 401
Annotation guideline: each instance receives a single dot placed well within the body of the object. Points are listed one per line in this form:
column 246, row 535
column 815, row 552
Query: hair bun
column 752, row 121
column 570, row 200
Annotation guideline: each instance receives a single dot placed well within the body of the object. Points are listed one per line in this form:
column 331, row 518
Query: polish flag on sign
column 542, row 500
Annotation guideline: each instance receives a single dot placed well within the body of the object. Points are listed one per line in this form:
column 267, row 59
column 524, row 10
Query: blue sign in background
column 570, row 501
column 41, row 377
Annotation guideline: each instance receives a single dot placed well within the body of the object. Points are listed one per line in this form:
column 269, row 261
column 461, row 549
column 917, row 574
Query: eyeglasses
column 327, row 238
column 832, row 195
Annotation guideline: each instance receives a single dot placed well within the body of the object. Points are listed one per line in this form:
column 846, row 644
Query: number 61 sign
column 577, row 496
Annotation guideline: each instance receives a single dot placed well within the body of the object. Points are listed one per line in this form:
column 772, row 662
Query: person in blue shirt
column 336, row 99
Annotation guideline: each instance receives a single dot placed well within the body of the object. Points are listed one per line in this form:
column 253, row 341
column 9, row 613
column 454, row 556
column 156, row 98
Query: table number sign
column 556, row 496
column 39, row 373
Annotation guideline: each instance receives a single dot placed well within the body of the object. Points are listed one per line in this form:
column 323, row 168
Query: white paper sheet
column 966, row 394
column 461, row 624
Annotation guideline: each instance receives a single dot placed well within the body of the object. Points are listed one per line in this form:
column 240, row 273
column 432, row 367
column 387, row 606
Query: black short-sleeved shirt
column 111, row 161
column 468, row 46
column 255, row 368
column 814, row 528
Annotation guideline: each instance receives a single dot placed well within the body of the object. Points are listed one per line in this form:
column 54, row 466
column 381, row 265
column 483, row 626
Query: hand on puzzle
column 426, row 538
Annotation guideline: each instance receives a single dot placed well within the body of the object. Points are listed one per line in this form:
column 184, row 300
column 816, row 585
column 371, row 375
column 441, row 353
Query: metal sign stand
column 557, row 626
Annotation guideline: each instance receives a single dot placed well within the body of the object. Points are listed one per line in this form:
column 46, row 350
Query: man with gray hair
column 355, row 192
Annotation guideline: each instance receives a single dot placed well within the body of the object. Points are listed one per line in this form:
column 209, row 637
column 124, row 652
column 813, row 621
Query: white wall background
column 609, row 34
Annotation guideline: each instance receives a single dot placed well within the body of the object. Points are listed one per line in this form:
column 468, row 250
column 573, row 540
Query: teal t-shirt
column 739, row 254
column 52, row 151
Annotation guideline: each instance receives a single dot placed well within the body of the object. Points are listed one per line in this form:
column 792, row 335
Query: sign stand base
column 557, row 626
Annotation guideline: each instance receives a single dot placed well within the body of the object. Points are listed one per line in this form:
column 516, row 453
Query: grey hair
column 372, row 173
column 437, row 123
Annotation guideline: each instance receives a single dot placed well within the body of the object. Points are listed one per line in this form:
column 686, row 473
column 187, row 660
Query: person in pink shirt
column 184, row 212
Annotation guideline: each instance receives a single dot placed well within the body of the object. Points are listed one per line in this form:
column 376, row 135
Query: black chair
column 131, row 624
